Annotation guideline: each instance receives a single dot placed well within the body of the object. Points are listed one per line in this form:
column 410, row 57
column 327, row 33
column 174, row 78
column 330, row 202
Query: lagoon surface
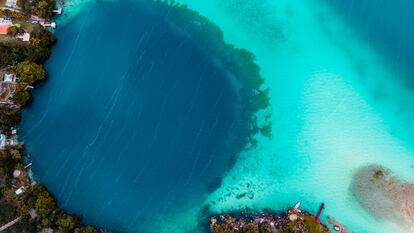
column 136, row 120
column 138, row 124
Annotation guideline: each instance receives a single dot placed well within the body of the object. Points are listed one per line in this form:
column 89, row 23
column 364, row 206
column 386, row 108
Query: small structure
column 28, row 166
column 19, row 191
column 3, row 141
column 9, row 78
column 293, row 217
column 17, row 173
column 32, row 213
column 11, row 3
column 25, row 37
column 58, row 11
column 319, row 212
column 48, row 24
column 4, row 28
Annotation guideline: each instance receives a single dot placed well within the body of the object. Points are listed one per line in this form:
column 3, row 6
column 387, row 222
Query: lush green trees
column 7, row 212
column 30, row 72
column 221, row 228
column 42, row 37
column 43, row 8
column 8, row 118
column 266, row 228
column 87, row 229
column 24, row 5
column 14, row 30
column 21, row 96
column 12, row 53
column 250, row 228
column 66, row 223
column 40, row 43
column 44, row 202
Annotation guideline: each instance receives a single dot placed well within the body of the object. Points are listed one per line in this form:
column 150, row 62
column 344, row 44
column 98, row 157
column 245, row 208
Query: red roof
column 3, row 29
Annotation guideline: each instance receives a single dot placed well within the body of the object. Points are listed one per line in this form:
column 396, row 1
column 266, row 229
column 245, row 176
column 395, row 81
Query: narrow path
column 7, row 225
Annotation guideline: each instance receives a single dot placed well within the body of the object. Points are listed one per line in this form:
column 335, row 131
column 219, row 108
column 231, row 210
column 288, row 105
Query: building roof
column 3, row 29
column 11, row 3
column 2, row 141
column 25, row 37
column 8, row 78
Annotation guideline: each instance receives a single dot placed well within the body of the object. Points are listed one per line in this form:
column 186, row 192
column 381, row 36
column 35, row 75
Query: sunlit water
column 338, row 103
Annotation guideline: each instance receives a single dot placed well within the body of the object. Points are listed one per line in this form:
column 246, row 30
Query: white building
column 11, row 3
column 25, row 37
column 9, row 78
column 20, row 191
column 3, row 141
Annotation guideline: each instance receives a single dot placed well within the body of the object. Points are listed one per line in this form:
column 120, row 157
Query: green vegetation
column 41, row 8
column 21, row 96
column 267, row 228
column 86, row 230
column 12, row 14
column 35, row 204
column 251, row 228
column 14, row 30
column 8, row 118
column 30, row 72
column 67, row 223
column 37, row 51
column 268, row 223
column 221, row 228
column 305, row 225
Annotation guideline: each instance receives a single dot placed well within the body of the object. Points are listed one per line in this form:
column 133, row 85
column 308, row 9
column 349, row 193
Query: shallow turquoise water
column 337, row 103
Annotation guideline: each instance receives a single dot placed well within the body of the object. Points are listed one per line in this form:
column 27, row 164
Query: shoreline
column 21, row 194
column 293, row 220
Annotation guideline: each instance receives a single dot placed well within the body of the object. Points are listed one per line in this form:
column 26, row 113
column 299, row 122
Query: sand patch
column 384, row 195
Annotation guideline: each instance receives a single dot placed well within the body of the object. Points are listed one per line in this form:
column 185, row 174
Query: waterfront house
column 4, row 28
column 11, row 3
column 9, row 78
column 25, row 37
column 3, row 141
column 5, row 24
column 19, row 191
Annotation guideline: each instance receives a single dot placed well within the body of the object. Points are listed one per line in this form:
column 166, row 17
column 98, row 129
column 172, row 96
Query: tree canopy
column 8, row 118
column 30, row 72
column 44, row 202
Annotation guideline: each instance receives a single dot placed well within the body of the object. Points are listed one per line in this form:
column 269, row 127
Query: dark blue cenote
column 136, row 122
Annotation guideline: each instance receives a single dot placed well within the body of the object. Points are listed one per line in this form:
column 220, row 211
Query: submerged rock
column 384, row 195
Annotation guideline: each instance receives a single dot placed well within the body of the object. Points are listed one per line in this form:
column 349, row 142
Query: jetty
column 58, row 11
column 28, row 166
column 48, row 24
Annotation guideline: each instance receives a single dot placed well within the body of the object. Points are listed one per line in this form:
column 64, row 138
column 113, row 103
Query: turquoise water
column 337, row 101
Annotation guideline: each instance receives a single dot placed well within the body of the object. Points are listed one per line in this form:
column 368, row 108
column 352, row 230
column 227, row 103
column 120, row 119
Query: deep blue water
column 135, row 121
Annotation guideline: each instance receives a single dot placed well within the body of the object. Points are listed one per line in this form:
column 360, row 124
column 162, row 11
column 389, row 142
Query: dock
column 28, row 166
column 58, row 11
column 51, row 24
